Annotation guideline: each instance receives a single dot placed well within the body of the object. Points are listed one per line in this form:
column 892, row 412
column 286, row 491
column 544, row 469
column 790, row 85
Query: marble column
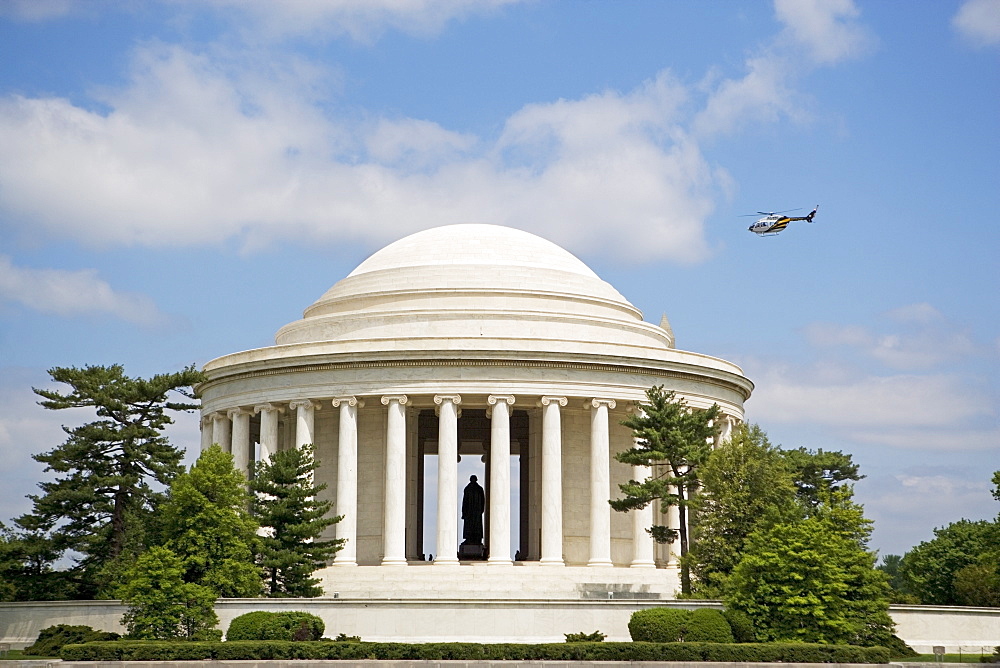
column 600, row 483
column 642, row 521
column 552, row 529
column 447, row 492
column 207, row 435
column 499, row 491
column 305, row 420
column 394, row 527
column 221, row 431
column 241, row 440
column 268, row 430
column 674, row 522
column 347, row 480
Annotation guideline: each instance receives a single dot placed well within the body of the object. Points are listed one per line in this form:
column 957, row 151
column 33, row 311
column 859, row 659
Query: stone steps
column 422, row 581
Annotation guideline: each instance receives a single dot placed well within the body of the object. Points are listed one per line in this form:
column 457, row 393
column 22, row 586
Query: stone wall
column 971, row 629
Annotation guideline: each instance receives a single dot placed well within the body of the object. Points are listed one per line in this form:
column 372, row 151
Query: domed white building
column 470, row 349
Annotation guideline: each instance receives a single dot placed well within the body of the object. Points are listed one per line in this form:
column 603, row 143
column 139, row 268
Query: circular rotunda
column 470, row 350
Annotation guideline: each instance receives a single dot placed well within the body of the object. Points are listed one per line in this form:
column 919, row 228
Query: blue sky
column 179, row 179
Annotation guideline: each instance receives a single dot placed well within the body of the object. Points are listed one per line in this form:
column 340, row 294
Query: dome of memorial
column 472, row 286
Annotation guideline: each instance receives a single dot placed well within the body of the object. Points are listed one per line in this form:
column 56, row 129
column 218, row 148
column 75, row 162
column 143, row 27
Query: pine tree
column 293, row 517
column 206, row 522
column 677, row 441
column 106, row 468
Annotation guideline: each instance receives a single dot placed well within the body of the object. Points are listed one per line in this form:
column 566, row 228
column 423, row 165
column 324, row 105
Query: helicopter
column 775, row 221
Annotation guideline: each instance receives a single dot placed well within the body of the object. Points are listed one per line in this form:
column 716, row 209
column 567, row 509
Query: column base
column 551, row 562
column 393, row 562
column 345, row 563
column 642, row 564
column 499, row 562
column 600, row 563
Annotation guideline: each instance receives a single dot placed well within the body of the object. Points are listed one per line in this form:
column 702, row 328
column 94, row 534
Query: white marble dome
column 470, row 287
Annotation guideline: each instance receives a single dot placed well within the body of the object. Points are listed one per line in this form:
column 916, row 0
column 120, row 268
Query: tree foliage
column 817, row 473
column 813, row 580
column 107, row 469
column 207, row 524
column 930, row 568
column 287, row 506
column 745, row 484
column 161, row 605
column 675, row 441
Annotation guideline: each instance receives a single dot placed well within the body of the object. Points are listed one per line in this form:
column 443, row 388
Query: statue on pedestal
column 473, row 505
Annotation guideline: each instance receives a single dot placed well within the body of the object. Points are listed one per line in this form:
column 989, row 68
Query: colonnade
column 231, row 431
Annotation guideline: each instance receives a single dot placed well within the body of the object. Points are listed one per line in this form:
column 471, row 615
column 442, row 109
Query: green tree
column 207, row 524
column 745, row 485
column 161, row 605
column 891, row 565
column 819, row 472
column 675, row 441
column 107, row 468
column 813, row 580
column 930, row 568
column 288, row 508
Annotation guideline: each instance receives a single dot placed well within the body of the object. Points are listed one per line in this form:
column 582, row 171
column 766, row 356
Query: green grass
column 19, row 655
column 964, row 657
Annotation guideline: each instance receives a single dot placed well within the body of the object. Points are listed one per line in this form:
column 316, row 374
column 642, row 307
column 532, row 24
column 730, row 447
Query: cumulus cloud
column 978, row 21
column 361, row 20
column 73, row 293
column 827, row 29
column 195, row 152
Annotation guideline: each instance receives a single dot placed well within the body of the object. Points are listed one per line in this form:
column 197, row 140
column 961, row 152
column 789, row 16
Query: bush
column 274, row 650
column 708, row 625
column 263, row 625
column 659, row 625
column 596, row 636
column 740, row 625
column 50, row 640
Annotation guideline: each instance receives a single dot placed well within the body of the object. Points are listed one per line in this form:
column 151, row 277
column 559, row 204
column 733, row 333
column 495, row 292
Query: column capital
column 453, row 398
column 597, row 403
column 350, row 401
column 493, row 399
column 546, row 400
column 260, row 408
column 233, row 413
column 402, row 399
column 303, row 403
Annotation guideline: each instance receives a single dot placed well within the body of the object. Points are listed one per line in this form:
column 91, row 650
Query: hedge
column 243, row 650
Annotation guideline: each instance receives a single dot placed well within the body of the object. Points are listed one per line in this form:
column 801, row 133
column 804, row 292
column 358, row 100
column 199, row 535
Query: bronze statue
column 473, row 505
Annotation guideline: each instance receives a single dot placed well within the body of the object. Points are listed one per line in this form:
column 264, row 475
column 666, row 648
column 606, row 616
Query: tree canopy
column 207, row 524
column 813, row 580
column 107, row 471
column 745, row 484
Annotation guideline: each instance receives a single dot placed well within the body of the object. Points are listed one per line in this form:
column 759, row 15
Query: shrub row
column 52, row 639
column 264, row 625
column 124, row 650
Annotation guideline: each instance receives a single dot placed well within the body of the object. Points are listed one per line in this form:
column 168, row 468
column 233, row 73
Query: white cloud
column 362, row 20
column 36, row 10
column 195, row 151
column 866, row 402
column 828, row 29
column 978, row 21
column 921, row 338
column 73, row 293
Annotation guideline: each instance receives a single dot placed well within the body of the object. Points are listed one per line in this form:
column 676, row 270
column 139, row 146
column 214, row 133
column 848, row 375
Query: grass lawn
column 964, row 657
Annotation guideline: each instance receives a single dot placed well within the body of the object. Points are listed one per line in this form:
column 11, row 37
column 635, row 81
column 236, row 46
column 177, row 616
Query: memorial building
column 461, row 351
